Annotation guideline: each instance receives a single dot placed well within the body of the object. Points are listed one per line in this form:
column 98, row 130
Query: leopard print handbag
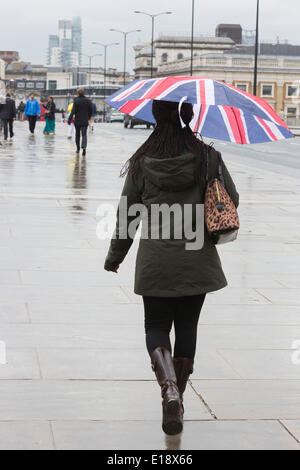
column 221, row 216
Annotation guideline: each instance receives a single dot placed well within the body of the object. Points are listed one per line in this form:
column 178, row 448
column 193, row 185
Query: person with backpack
column 21, row 109
column 82, row 110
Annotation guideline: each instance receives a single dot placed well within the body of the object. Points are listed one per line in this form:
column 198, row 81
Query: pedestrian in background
column 82, row 110
column 8, row 115
column 170, row 168
column 94, row 112
column 71, row 127
column 2, row 102
column 32, row 112
column 21, row 109
column 50, row 116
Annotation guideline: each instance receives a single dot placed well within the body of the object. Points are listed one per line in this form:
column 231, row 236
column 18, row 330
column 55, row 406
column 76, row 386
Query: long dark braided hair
column 169, row 139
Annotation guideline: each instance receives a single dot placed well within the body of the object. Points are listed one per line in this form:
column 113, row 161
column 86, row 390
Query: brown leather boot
column 183, row 368
column 162, row 364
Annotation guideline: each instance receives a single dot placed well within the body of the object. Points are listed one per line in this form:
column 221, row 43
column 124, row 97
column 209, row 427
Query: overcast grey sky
column 25, row 25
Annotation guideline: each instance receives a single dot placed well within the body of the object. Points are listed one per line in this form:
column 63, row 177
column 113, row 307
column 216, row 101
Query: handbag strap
column 220, row 170
column 207, row 158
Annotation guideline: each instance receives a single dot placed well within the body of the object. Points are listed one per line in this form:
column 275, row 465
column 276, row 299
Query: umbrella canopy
column 221, row 111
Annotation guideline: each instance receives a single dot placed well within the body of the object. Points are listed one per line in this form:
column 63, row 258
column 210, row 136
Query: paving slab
column 282, row 296
column 64, row 294
column 250, row 315
column 251, row 399
column 13, row 313
column 87, row 313
column 229, row 295
column 77, row 366
column 9, row 277
column 294, row 427
column 88, row 400
column 291, row 282
column 27, row 435
column 103, row 336
column 53, row 335
column 113, row 364
column 77, row 278
column 197, row 435
column 20, row 364
column 260, row 364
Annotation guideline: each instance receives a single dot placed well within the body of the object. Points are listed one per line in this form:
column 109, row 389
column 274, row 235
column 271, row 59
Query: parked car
column 115, row 116
column 132, row 121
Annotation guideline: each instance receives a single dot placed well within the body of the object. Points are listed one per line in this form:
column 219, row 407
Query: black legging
column 162, row 312
column 8, row 124
column 32, row 123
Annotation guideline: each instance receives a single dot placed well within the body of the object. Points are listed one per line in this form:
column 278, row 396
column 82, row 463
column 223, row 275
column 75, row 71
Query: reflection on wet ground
column 74, row 333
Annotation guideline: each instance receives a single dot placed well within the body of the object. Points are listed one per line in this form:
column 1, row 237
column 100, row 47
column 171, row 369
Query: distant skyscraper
column 65, row 41
column 77, row 36
column 65, row 48
column 53, row 43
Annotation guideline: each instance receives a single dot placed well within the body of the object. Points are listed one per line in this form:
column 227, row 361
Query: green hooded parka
column 164, row 267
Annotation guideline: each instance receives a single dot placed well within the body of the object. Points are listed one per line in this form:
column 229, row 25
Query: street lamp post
column 68, row 85
column 256, row 51
column 125, row 34
column 105, row 46
column 152, row 36
column 90, row 57
column 192, row 36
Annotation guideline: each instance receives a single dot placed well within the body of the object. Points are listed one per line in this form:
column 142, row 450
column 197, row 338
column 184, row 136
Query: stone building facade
column 278, row 68
column 2, row 69
column 278, row 77
column 9, row 56
column 169, row 49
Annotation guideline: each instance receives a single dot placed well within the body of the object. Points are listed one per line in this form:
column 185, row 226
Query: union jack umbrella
column 221, row 111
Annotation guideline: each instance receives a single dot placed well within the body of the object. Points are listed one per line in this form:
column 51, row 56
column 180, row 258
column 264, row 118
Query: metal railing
column 89, row 91
column 293, row 121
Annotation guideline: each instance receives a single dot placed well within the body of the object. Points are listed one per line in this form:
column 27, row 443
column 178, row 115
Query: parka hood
column 171, row 174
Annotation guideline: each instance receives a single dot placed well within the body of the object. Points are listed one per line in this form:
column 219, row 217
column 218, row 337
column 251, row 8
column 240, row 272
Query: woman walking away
column 170, row 169
column 50, row 116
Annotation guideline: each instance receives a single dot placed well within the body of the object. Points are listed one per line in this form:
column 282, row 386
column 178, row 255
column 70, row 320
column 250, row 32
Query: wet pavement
column 77, row 373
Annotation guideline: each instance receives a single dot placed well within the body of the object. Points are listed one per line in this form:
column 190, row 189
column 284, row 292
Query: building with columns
column 278, row 67
column 2, row 69
column 9, row 56
column 169, row 49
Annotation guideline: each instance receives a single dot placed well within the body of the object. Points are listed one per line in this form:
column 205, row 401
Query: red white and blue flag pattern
column 221, row 111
